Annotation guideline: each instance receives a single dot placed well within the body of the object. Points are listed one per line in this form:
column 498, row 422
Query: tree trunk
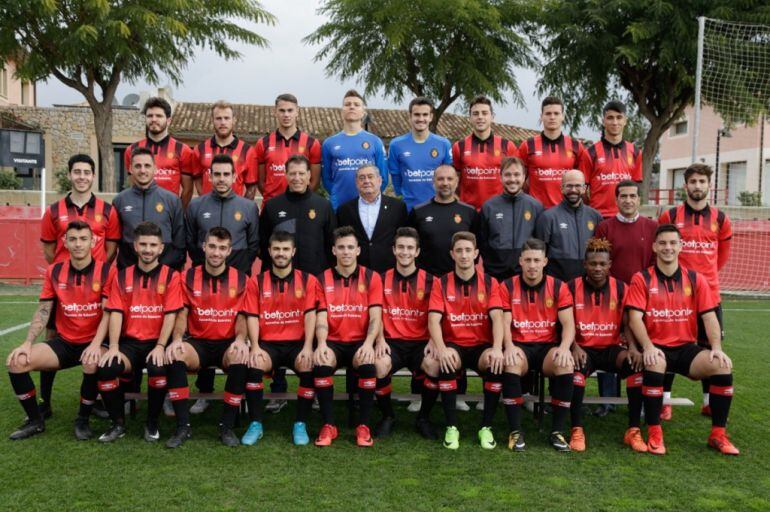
column 103, row 127
column 648, row 156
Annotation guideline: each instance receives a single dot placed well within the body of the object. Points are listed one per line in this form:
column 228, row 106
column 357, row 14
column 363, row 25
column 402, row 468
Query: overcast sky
column 286, row 66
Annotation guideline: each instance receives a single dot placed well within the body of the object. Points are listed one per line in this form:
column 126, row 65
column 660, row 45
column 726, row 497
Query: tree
column 443, row 49
column 91, row 45
column 592, row 49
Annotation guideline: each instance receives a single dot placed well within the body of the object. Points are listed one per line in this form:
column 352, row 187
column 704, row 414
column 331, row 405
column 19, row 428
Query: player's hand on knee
column 447, row 360
column 322, row 356
column 239, row 352
column 381, row 349
column 635, row 359
column 579, row 356
column 175, row 351
column 157, row 356
column 563, row 357
column 511, row 355
column 652, row 355
column 257, row 358
column 430, row 350
column 305, row 357
column 366, row 354
column 496, row 360
column 20, row 356
column 721, row 357
column 91, row 355
column 109, row 356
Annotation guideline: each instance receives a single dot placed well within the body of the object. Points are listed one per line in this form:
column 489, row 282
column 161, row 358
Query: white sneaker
column 168, row 409
column 414, row 406
column 463, row 406
column 480, row 405
column 529, row 406
column 199, row 406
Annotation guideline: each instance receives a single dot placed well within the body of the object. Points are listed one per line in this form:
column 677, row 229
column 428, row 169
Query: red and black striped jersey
column 478, row 165
column 465, row 307
column 273, row 150
column 671, row 305
column 605, row 165
column 546, row 161
column 281, row 304
column 213, row 302
column 78, row 298
column 101, row 216
column 144, row 299
column 405, row 305
column 598, row 312
column 238, row 149
column 347, row 300
column 706, row 236
column 535, row 309
column 172, row 160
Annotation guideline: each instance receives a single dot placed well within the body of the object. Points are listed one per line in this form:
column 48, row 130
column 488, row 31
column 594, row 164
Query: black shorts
column 283, row 354
column 210, row 353
column 679, row 359
column 535, row 353
column 604, row 359
column 702, row 338
column 136, row 351
column 344, row 352
column 469, row 356
column 406, row 354
column 67, row 353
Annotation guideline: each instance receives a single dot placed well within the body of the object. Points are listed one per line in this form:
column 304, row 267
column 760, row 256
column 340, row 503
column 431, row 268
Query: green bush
column 9, row 180
column 681, row 194
column 62, row 181
column 750, row 198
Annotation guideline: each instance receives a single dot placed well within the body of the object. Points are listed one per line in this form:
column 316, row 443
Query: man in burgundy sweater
column 631, row 235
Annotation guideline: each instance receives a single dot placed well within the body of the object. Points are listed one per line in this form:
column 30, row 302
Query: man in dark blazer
column 375, row 218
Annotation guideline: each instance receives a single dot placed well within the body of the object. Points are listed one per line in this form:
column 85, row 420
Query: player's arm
column 187, row 190
column 373, row 331
column 176, row 346
column 251, row 191
column 381, row 348
column 111, row 248
column 49, row 251
column 93, row 352
column 115, row 325
column 714, row 335
column 636, row 323
column 315, row 176
column 444, row 356
column 563, row 354
column 261, row 177
column 307, row 346
column 497, row 359
column 39, row 321
column 322, row 352
column 239, row 347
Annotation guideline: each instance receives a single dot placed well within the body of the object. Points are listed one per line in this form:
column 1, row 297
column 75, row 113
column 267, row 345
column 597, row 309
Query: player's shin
column 720, row 398
column 179, row 392
column 634, row 393
column 254, row 393
column 383, row 393
column 24, row 389
column 156, row 392
column 652, row 396
column 578, row 392
column 447, row 385
column 88, row 391
column 512, row 399
column 108, row 383
column 234, row 389
column 367, row 382
column 493, row 386
column 305, row 395
column 323, row 380
column 562, row 389
column 429, row 396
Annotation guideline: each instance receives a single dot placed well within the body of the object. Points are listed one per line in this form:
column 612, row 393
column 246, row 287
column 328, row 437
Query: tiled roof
column 193, row 121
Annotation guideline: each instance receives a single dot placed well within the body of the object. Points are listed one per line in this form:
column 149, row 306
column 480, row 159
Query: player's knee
column 430, row 367
column 90, row 368
column 383, row 367
column 303, row 366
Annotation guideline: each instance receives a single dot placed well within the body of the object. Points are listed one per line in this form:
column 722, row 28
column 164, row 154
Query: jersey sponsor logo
column 596, row 326
column 128, row 208
column 346, row 308
column 458, row 218
column 163, row 172
column 563, row 225
column 484, row 172
column 282, row 315
column 214, row 312
column 144, row 309
column 159, row 207
column 467, row 317
column 421, row 174
column 404, row 313
column 699, row 245
column 311, row 214
column 527, row 215
column 533, row 324
column 351, row 162
column 81, row 308
column 277, row 168
column 613, row 176
column 434, row 153
column 671, row 314
column 407, row 154
column 550, row 174
column 237, row 215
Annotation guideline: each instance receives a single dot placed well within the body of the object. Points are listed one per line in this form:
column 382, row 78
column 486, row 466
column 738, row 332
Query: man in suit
column 375, row 218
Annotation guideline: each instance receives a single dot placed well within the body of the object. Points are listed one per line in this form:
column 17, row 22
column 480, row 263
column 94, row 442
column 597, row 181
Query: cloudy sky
column 286, row 66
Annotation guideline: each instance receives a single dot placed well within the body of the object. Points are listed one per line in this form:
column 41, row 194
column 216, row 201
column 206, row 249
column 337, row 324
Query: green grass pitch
column 54, row 472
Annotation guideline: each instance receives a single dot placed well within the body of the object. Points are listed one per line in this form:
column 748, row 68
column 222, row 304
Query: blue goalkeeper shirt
column 411, row 165
column 342, row 154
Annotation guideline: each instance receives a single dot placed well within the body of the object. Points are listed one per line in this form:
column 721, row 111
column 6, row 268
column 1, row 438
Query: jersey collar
column 151, row 273
column 232, row 146
column 619, row 145
column 221, row 276
column 588, row 286
column 288, row 279
column 279, row 135
column 470, row 281
column 90, row 203
column 85, row 270
column 159, row 144
column 488, row 140
column 552, row 141
column 690, row 209
column 537, row 287
column 676, row 276
column 398, row 277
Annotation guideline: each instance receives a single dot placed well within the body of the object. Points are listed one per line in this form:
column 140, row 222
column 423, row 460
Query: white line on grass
column 19, row 302
column 14, row 328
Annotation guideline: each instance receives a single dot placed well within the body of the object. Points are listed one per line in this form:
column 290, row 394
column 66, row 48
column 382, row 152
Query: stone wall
column 69, row 130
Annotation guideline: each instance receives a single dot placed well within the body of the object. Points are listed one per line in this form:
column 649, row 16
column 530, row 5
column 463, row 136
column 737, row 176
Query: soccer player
column 173, row 159
column 146, row 201
column 213, row 295
column 143, row 303
column 507, row 221
column 477, row 157
column 74, row 292
column 548, row 155
column 610, row 161
column 438, row 219
column 348, row 321
column 414, row 156
column 272, row 150
column 348, row 150
column 706, row 238
column 465, row 322
column 225, row 141
column 281, row 323
column 664, row 304
column 599, row 319
column 566, row 228
column 223, row 207
column 404, row 337
column 537, row 307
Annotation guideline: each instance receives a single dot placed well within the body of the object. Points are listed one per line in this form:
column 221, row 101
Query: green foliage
column 61, row 179
column 750, row 198
column 442, row 49
column 9, row 180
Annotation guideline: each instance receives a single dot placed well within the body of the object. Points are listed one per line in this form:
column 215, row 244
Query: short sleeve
column 311, row 294
column 726, row 230
column 637, row 172
column 320, row 295
column 187, row 160
column 456, row 157
column 636, row 297
column 375, row 290
column 665, row 218
column 107, row 287
column 510, row 149
column 115, row 298
column 564, row 300
column 113, row 232
column 495, row 300
column 250, row 299
column 524, row 152
column 314, row 154
column 49, row 287
column 250, row 173
column 47, row 228
column 195, row 162
column 172, row 300
column 704, row 299
column 505, row 295
column 436, row 303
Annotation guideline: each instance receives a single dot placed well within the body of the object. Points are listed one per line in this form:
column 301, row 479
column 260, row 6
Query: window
column 26, row 93
column 736, row 181
column 679, row 128
column 119, row 172
column 3, row 81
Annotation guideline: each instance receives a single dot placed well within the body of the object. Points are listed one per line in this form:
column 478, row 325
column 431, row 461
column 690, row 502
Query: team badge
column 434, row 152
column 311, row 213
column 98, row 217
column 361, row 287
column 420, row 294
column 169, row 155
column 161, row 288
column 714, row 227
column 527, row 215
column 688, row 290
column 458, row 219
column 590, row 225
column 549, row 302
column 481, row 296
column 301, row 149
column 238, row 215
column 159, row 207
column 235, row 158
column 569, row 153
column 365, row 145
column 96, row 286
column 630, row 159
column 613, row 304
column 298, row 293
column 497, row 152
column 233, row 292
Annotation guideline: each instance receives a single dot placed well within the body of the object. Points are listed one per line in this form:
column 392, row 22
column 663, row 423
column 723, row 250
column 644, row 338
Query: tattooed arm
column 39, row 321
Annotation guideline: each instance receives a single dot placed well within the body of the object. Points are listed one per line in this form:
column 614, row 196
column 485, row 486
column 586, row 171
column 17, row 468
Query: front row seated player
column 465, row 322
column 404, row 336
column 536, row 305
column 75, row 292
column 213, row 295
column 281, row 314
column 664, row 303
column 143, row 304
column 348, row 321
column 598, row 301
